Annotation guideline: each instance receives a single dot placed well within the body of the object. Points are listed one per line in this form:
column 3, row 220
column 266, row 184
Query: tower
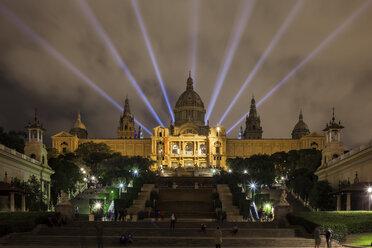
column 253, row 129
column 79, row 128
column 300, row 129
column 240, row 134
column 35, row 147
column 126, row 128
column 333, row 146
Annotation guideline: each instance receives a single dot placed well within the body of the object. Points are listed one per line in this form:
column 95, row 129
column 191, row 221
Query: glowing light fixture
column 241, row 21
column 369, row 189
column 252, row 186
column 121, row 185
column 152, row 55
column 135, row 172
column 10, row 16
column 95, row 23
column 245, row 171
column 229, row 170
column 272, row 44
column 310, row 56
column 97, row 205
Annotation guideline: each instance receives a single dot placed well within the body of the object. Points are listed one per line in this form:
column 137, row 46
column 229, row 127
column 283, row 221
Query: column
column 12, row 207
column 338, row 203
column 348, row 201
column 38, row 136
column 23, row 206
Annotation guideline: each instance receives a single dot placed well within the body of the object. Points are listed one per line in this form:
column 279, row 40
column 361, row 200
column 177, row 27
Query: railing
column 18, row 154
column 303, row 202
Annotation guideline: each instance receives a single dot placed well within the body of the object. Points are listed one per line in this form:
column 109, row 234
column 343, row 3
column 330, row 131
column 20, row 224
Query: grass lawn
column 342, row 223
column 363, row 239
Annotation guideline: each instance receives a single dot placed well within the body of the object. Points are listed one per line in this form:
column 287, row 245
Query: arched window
column 189, row 149
column 33, row 156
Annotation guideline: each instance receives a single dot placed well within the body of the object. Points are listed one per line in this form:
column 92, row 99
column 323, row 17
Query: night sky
column 339, row 75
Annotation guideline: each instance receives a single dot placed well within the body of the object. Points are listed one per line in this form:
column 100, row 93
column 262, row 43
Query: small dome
column 78, row 123
column 300, row 129
column 189, row 97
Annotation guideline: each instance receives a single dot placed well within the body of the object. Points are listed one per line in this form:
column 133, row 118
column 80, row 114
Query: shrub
column 22, row 221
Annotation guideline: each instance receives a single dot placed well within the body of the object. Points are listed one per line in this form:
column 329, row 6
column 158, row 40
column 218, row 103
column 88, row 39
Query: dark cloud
column 339, row 76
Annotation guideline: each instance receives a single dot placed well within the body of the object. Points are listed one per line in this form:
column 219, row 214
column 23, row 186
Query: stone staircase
column 158, row 234
column 187, row 203
column 232, row 212
column 140, row 203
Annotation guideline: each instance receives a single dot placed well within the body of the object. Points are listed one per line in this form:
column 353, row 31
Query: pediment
column 63, row 134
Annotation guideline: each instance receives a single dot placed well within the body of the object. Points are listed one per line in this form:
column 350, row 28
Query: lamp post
column 369, row 190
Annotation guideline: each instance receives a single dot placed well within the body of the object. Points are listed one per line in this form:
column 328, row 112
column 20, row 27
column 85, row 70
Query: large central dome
column 189, row 106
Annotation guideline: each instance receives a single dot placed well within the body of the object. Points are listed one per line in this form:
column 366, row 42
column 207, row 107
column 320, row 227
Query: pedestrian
column 203, row 228
column 329, row 234
column 317, row 236
column 173, row 221
column 218, row 237
column 77, row 213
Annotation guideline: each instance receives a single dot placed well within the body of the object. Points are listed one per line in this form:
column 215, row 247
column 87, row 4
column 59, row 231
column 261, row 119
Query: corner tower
column 35, row 147
column 333, row 146
column 253, row 129
column 126, row 128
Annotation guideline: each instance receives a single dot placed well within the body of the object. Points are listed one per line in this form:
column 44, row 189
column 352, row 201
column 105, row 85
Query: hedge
column 22, row 221
column 341, row 222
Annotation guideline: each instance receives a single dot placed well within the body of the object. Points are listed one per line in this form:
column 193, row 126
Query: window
column 202, row 150
column 189, row 149
column 335, row 156
column 64, row 150
column 175, row 149
column 126, row 127
column 217, row 150
column 160, row 134
column 33, row 156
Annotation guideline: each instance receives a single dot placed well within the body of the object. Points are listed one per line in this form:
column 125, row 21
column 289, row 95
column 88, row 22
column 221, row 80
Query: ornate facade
column 189, row 142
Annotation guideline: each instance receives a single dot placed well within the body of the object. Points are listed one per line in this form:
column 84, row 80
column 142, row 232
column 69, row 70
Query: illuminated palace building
column 188, row 142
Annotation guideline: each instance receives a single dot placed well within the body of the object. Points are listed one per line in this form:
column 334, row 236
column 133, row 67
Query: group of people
column 328, row 234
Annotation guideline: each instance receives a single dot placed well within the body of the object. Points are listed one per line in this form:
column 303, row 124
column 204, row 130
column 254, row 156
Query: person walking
column 317, row 236
column 218, row 237
column 329, row 234
column 173, row 221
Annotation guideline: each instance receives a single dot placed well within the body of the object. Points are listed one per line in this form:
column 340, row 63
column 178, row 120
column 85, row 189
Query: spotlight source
column 98, row 27
column 309, row 57
column 241, row 21
column 272, row 44
column 152, row 55
column 10, row 16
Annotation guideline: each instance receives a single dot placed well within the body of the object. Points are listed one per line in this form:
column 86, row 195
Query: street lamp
column 229, row 170
column 245, row 171
column 369, row 190
column 253, row 186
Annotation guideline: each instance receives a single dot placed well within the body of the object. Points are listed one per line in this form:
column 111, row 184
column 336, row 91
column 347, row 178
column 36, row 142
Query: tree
column 13, row 139
column 122, row 168
column 35, row 199
column 319, row 196
column 93, row 154
column 66, row 175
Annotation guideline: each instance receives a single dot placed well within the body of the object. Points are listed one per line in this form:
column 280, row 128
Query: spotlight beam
column 152, row 55
column 272, row 44
column 89, row 14
column 194, row 30
column 309, row 57
column 11, row 17
column 239, row 26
